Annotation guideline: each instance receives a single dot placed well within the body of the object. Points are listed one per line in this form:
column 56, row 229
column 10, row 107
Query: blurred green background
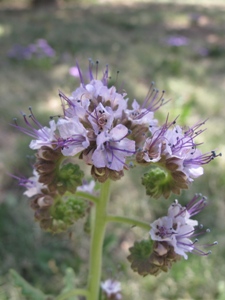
column 178, row 44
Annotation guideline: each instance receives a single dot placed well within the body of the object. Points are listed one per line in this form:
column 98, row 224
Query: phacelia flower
column 111, row 289
column 87, row 187
column 112, row 149
column 43, row 135
column 32, row 184
column 177, row 228
column 73, row 135
column 174, row 150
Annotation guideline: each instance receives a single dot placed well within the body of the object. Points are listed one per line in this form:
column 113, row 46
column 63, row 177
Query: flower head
column 177, row 228
column 174, row 150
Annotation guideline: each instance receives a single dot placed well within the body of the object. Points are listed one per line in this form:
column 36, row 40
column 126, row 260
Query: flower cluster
column 174, row 150
column 177, row 228
column 98, row 126
column 170, row 239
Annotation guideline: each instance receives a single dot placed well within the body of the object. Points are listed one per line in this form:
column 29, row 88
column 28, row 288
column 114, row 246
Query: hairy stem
column 130, row 221
column 98, row 233
column 71, row 293
column 86, row 196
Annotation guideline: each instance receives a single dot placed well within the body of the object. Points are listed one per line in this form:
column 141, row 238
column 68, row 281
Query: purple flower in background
column 111, row 289
column 39, row 49
column 73, row 71
column 87, row 187
column 203, row 52
column 177, row 41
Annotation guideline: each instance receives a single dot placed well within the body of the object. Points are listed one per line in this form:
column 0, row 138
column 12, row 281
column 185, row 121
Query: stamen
column 90, row 69
column 80, row 74
column 96, row 69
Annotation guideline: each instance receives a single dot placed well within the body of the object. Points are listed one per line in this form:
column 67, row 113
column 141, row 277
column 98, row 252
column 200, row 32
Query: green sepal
column 27, row 290
column 69, row 177
column 139, row 257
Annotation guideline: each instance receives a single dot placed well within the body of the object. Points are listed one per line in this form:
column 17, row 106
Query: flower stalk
column 97, row 238
column 130, row 221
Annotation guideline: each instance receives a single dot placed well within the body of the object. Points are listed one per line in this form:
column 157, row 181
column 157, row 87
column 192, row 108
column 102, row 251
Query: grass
column 130, row 38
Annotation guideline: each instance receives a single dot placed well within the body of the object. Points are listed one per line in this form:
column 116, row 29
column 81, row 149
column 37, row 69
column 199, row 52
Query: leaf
column 27, row 290
column 69, row 281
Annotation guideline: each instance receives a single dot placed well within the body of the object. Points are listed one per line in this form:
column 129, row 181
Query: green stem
column 97, row 239
column 73, row 293
column 86, row 196
column 130, row 221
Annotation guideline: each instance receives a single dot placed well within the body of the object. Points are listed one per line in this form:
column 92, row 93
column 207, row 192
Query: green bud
column 139, row 257
column 157, row 182
column 69, row 210
column 69, row 177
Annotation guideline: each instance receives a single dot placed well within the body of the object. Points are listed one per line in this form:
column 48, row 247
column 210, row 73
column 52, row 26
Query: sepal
column 148, row 258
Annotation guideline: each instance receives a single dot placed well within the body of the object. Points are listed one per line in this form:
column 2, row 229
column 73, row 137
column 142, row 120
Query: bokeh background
column 180, row 45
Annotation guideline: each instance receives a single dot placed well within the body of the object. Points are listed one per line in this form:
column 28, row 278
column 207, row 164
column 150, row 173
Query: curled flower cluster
column 98, row 127
column 170, row 239
column 177, row 228
column 174, row 150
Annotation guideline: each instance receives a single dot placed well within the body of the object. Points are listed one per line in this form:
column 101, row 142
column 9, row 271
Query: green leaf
column 69, row 281
column 27, row 290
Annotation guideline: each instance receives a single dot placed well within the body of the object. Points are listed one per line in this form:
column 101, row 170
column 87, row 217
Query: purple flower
column 87, row 187
column 172, row 143
column 43, row 136
column 112, row 148
column 111, row 289
column 177, row 41
column 32, row 184
column 177, row 228
column 101, row 119
column 39, row 49
column 73, row 135
column 73, row 71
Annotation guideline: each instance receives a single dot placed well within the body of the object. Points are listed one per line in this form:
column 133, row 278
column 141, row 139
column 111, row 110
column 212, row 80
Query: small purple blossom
column 87, row 187
column 43, row 136
column 111, row 289
column 38, row 50
column 73, row 71
column 112, row 148
column 177, row 41
column 74, row 136
column 203, row 51
column 32, row 184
